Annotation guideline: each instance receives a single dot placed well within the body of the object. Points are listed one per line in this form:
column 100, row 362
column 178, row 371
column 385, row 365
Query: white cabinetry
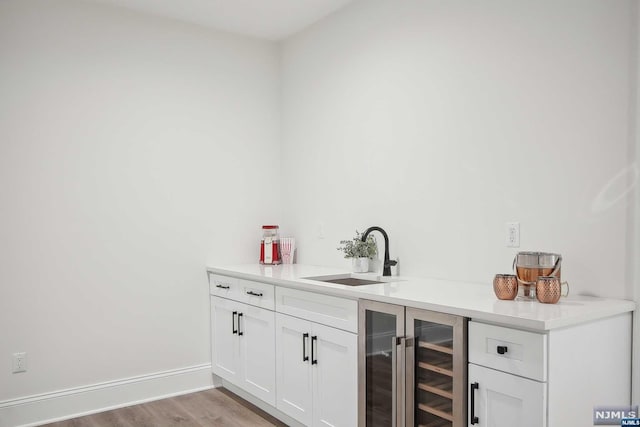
column 316, row 364
column 505, row 400
column 225, row 345
column 294, row 379
column 335, row 377
column 551, row 379
column 295, row 350
column 243, row 338
column 516, row 396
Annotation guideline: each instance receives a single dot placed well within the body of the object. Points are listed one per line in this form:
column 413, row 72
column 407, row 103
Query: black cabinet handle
column 314, row 361
column 234, row 330
column 222, row 286
column 239, row 330
column 255, row 294
column 305, row 337
column 473, row 418
column 502, row 349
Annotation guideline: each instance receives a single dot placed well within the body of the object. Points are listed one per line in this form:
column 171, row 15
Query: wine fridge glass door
column 436, row 374
column 381, row 395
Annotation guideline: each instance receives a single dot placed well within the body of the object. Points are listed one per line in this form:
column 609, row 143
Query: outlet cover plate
column 19, row 362
column 512, row 234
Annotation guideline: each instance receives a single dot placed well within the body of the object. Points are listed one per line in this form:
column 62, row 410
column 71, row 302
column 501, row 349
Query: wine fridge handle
column 473, row 418
column 403, row 380
column 394, row 384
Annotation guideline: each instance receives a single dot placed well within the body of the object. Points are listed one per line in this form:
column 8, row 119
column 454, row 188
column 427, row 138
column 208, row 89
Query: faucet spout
column 386, row 267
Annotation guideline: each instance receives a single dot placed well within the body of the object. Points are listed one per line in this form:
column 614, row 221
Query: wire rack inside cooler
column 434, row 375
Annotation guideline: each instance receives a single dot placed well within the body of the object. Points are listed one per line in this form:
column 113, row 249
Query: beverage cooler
column 412, row 367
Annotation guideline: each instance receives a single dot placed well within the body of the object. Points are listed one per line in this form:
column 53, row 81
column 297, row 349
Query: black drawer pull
column 502, row 349
column 222, row 286
column 473, row 418
column 305, row 356
column 314, row 360
column 255, row 294
column 239, row 330
column 234, row 330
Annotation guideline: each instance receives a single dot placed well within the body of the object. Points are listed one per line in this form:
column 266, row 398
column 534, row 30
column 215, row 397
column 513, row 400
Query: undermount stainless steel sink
column 352, row 279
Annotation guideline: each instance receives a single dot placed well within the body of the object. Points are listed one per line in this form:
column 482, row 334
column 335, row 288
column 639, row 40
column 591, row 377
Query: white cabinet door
column 316, row 373
column 243, row 346
column 225, row 347
column 293, row 368
column 334, row 361
column 256, row 333
column 505, row 400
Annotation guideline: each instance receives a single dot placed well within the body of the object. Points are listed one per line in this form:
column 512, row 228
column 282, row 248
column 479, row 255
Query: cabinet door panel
column 505, row 400
column 335, row 377
column 225, row 346
column 257, row 341
column 293, row 373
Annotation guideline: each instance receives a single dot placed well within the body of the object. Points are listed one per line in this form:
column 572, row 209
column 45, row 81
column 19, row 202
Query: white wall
column 442, row 120
column 636, row 182
column 133, row 152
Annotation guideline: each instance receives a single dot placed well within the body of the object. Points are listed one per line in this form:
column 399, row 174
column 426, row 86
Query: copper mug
column 549, row 289
column 505, row 286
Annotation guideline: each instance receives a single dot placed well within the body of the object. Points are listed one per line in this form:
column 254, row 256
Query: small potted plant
column 360, row 252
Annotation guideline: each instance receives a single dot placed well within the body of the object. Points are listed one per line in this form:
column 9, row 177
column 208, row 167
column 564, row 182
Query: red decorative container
column 270, row 245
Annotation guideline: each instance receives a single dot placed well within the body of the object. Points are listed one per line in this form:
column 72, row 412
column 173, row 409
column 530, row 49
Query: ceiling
column 266, row 19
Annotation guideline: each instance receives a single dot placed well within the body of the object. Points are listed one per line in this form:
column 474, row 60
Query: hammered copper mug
column 549, row 289
column 505, row 286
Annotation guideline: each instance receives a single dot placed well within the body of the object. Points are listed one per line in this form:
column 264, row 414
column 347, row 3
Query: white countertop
column 474, row 300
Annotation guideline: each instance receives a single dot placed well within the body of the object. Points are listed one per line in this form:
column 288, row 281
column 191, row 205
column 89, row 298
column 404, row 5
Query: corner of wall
column 634, row 210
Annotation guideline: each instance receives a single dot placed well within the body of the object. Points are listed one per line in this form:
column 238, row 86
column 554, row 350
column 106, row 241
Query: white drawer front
column 508, row 350
column 256, row 293
column 325, row 309
column 246, row 291
column 222, row 286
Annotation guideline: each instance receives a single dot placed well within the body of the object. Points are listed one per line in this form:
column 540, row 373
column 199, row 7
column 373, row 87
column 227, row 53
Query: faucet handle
column 391, row 263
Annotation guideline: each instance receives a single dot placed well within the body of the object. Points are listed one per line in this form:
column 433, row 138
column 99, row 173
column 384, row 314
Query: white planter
column 360, row 265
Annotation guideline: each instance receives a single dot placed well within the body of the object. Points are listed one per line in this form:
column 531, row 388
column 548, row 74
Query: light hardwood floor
column 215, row 407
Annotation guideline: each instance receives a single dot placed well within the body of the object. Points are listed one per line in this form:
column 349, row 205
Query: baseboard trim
column 85, row 400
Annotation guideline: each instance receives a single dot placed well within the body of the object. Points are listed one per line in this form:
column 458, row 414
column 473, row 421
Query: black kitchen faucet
column 386, row 270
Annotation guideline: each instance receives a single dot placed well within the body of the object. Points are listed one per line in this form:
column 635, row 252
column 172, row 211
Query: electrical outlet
column 19, row 362
column 513, row 234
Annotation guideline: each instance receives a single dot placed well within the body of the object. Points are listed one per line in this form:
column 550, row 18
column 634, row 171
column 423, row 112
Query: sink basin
column 352, row 279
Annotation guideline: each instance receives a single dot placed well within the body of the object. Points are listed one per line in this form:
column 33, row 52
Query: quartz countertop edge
column 473, row 300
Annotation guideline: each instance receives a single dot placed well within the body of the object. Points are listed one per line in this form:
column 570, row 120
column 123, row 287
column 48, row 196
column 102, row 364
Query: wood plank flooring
column 211, row 408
